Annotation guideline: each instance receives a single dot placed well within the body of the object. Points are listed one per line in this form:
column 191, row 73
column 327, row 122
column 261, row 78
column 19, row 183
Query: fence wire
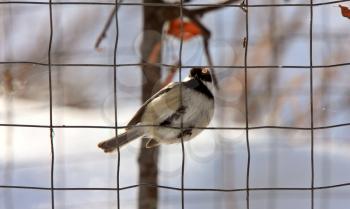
column 247, row 126
column 246, row 46
column 51, row 107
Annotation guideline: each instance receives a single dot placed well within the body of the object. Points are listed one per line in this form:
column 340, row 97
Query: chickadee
column 158, row 116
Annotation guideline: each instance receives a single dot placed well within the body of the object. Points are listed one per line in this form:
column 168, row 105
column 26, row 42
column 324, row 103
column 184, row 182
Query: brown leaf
column 345, row 11
column 190, row 29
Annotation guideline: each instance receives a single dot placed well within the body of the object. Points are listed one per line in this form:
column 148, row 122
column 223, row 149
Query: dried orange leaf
column 345, row 11
column 190, row 29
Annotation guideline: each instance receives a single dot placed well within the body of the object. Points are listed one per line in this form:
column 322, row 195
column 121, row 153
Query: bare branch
column 103, row 34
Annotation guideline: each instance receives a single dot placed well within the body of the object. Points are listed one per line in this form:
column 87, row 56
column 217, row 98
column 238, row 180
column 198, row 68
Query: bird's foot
column 185, row 132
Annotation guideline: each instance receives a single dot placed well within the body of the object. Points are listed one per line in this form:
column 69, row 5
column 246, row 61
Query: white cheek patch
column 187, row 79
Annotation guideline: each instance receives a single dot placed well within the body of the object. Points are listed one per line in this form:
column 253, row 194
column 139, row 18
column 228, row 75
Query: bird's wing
column 164, row 109
column 137, row 117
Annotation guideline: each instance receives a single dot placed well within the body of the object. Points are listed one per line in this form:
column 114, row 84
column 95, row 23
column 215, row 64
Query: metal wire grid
column 247, row 128
column 181, row 103
column 246, row 44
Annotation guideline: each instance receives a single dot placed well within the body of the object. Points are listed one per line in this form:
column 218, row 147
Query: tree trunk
column 148, row 158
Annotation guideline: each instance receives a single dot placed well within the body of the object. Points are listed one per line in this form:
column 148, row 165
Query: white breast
column 199, row 110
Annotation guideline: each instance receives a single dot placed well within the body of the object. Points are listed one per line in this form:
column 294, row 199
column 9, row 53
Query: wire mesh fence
column 247, row 6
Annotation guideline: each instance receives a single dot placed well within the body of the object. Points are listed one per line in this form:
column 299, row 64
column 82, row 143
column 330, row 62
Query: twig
column 154, row 55
column 171, row 75
column 192, row 14
column 210, row 62
column 103, row 34
column 153, row 58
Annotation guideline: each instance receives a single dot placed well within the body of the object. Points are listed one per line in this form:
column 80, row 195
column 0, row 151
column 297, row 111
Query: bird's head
column 204, row 75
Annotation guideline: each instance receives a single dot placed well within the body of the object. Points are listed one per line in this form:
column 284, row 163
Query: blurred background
column 82, row 77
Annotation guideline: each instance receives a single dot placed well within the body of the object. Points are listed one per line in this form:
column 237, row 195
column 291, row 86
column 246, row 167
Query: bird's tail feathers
column 112, row 144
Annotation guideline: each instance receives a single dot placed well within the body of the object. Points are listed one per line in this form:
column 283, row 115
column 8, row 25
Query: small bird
column 159, row 118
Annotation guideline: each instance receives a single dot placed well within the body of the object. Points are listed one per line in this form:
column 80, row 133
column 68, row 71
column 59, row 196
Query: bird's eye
column 205, row 70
